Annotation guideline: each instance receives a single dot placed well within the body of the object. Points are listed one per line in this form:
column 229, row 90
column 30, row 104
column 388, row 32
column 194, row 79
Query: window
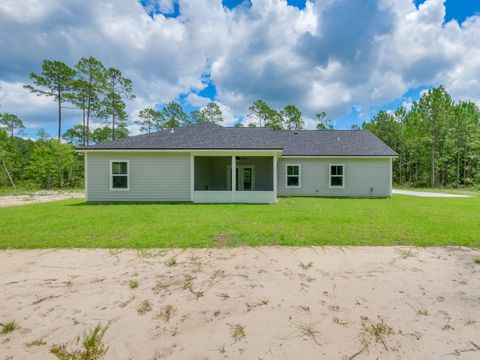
column 336, row 176
column 119, row 175
column 293, row 176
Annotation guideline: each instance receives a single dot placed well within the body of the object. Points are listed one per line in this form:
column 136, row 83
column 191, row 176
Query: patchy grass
column 400, row 220
column 305, row 266
column 237, row 331
column 36, row 342
column 144, row 307
column 133, row 284
column 8, row 327
column 92, row 347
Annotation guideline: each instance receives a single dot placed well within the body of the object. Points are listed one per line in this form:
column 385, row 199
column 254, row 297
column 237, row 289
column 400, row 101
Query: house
column 209, row 163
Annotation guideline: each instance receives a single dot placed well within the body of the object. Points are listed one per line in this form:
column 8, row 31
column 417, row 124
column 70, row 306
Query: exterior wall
column 360, row 176
column 152, row 177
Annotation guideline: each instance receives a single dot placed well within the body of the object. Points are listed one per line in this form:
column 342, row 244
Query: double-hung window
column 337, row 175
column 119, row 175
column 293, row 176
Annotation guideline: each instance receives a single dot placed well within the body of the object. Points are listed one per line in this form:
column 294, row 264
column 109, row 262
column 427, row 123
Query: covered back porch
column 234, row 177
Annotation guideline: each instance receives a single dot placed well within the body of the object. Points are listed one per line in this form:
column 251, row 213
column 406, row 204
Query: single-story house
column 209, row 163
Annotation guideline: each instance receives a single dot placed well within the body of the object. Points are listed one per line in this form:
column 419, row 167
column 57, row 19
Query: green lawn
column 401, row 220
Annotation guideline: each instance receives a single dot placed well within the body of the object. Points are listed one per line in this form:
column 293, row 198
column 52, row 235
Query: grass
column 133, row 284
column 400, row 220
column 237, row 332
column 8, row 327
column 92, row 347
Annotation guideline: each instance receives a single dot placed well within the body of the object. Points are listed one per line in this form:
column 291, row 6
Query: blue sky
column 348, row 58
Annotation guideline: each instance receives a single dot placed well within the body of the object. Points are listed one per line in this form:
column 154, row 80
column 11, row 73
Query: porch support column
column 275, row 177
column 234, row 176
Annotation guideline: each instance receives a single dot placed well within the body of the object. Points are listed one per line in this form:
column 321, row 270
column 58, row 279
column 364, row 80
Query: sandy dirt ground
column 40, row 197
column 428, row 194
column 245, row 303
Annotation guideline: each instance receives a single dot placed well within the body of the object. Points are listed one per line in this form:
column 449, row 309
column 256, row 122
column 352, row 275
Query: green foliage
column 8, row 327
column 56, row 81
column 11, row 123
column 54, row 165
column 92, row 348
column 116, row 89
column 265, row 115
column 103, row 134
column 401, row 220
column 292, row 118
column 173, row 116
column 438, row 141
column 212, row 112
column 149, row 119
column 88, row 85
column 75, row 135
column 324, row 122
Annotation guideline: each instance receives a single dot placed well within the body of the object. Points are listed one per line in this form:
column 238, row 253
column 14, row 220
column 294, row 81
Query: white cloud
column 330, row 56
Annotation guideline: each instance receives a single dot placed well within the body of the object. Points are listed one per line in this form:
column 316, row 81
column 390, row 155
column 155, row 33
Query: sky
column 349, row 58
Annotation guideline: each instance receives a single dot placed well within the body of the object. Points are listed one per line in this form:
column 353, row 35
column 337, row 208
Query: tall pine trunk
column 59, row 115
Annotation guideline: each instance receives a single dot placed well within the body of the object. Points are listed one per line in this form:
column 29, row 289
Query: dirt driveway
column 38, row 197
column 245, row 303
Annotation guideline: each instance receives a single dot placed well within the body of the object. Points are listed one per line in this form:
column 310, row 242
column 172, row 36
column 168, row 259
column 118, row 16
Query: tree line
column 437, row 140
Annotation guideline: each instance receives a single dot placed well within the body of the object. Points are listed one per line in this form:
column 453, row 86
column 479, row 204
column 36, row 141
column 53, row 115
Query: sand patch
column 245, row 303
column 38, row 197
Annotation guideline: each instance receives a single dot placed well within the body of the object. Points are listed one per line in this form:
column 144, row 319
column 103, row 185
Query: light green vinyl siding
column 152, row 177
column 361, row 175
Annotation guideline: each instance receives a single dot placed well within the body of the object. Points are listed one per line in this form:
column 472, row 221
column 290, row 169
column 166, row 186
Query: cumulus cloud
column 330, row 56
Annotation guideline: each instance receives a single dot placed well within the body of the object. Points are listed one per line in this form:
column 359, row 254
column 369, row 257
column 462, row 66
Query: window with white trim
column 292, row 176
column 336, row 175
column 119, row 175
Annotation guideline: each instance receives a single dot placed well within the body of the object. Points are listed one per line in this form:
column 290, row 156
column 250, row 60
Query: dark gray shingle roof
column 292, row 142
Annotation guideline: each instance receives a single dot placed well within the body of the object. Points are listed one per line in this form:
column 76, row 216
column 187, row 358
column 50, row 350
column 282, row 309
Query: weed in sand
column 237, row 331
column 144, row 307
column 309, row 330
column 8, row 327
column 251, row 306
column 419, row 312
column 224, row 296
column 166, row 313
column 469, row 318
column 341, row 322
column 37, row 342
column 305, row 266
column 171, row 262
column 477, row 261
column 378, row 331
column 93, row 347
column 149, row 253
column 407, row 253
column 304, row 308
column 198, row 294
column 221, row 349
column 447, row 327
column 126, row 302
column 188, row 282
column 133, row 284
